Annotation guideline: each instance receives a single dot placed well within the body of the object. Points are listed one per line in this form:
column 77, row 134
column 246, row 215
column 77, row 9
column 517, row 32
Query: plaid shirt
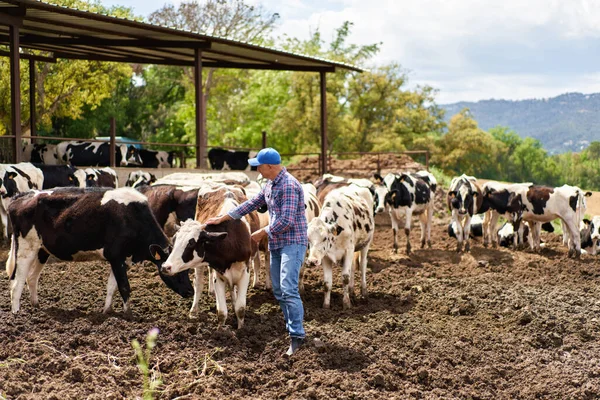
column 284, row 198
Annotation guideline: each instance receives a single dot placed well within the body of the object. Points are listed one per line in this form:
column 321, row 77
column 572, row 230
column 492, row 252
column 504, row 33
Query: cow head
column 400, row 194
column 188, row 247
column 130, row 155
column 180, row 283
column 379, row 196
column 462, row 198
column 8, row 186
column 321, row 238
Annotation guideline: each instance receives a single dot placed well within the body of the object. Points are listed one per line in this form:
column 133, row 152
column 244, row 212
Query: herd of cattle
column 128, row 224
column 81, row 153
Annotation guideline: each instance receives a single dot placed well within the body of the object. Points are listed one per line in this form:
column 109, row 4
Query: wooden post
column 15, row 91
column 264, row 139
column 323, row 123
column 32, row 113
column 201, row 141
column 113, row 145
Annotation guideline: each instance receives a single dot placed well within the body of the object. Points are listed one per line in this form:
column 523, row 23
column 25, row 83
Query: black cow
column 157, row 159
column 229, row 159
column 97, row 154
column 113, row 224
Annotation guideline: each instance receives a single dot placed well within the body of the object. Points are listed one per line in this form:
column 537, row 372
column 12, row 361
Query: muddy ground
column 492, row 324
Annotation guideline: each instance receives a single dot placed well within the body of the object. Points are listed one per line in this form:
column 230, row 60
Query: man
column 286, row 233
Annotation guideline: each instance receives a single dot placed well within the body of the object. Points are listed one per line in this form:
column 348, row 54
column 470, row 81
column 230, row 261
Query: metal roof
column 74, row 34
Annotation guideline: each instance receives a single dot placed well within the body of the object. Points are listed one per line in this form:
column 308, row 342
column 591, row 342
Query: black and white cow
column 590, row 235
column 93, row 154
column 139, row 178
column 40, row 154
column 496, row 202
column 61, row 176
column 104, row 177
column 15, row 179
column 68, row 222
column 464, row 200
column 226, row 248
column 476, row 227
column 410, row 194
column 539, row 204
column 157, row 159
column 329, row 182
column 344, row 226
column 230, row 159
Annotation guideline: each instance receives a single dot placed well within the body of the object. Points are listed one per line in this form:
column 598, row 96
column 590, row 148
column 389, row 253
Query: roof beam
column 12, row 16
column 26, row 56
column 94, row 41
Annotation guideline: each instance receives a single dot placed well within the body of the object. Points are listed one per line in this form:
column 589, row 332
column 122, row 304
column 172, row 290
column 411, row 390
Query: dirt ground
column 490, row 324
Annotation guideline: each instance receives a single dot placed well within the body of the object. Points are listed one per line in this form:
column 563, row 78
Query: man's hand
column 259, row 235
column 218, row 219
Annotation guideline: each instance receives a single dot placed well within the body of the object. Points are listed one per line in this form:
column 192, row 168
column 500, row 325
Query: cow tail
column 11, row 262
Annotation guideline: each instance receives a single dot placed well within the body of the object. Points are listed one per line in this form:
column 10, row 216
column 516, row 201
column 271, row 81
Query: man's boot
column 294, row 345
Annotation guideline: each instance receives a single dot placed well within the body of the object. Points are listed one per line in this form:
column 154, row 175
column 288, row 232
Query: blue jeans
column 285, row 270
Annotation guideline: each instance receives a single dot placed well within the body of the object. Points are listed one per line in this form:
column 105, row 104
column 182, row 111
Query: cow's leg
column 119, row 269
column 111, row 288
column 493, row 227
column 486, row 228
column 346, row 272
column 23, row 263
column 575, row 239
column 23, row 254
column 407, row 224
column 34, row 275
column 429, row 222
column 459, row 229
column 301, row 280
column 394, row 220
column 467, row 233
column 4, row 217
column 240, row 302
column 268, row 269
column 327, row 277
column 566, row 234
column 363, row 271
column 256, row 267
column 212, row 278
column 535, row 236
column 594, row 247
column 220, row 296
column 198, row 289
column 423, row 225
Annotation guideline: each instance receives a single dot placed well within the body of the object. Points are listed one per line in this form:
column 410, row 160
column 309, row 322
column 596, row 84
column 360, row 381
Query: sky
column 469, row 50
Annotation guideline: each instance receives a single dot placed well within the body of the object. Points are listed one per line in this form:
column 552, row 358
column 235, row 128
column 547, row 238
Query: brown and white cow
column 226, row 248
column 68, row 222
column 464, row 200
column 344, row 226
column 539, row 204
column 410, row 194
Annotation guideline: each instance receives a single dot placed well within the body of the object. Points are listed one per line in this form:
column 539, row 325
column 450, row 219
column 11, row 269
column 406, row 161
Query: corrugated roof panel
column 45, row 20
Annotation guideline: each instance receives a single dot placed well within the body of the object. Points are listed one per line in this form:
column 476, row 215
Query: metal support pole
column 32, row 112
column 201, row 139
column 15, row 91
column 264, row 139
column 113, row 144
column 323, row 123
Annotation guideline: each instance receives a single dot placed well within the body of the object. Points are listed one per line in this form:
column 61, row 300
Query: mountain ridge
column 567, row 122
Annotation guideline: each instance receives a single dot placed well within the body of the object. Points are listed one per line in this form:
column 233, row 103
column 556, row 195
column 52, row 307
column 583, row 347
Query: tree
column 466, row 149
column 231, row 19
column 64, row 87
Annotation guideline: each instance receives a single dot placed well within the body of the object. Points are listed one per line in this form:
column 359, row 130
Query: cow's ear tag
column 394, row 196
column 157, row 256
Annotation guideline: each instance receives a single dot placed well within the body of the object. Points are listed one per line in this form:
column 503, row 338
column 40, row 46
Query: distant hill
column 568, row 122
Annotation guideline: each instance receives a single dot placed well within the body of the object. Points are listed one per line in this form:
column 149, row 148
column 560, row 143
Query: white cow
column 344, row 227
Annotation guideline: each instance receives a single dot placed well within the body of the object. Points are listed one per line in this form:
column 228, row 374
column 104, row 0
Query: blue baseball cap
column 265, row 156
